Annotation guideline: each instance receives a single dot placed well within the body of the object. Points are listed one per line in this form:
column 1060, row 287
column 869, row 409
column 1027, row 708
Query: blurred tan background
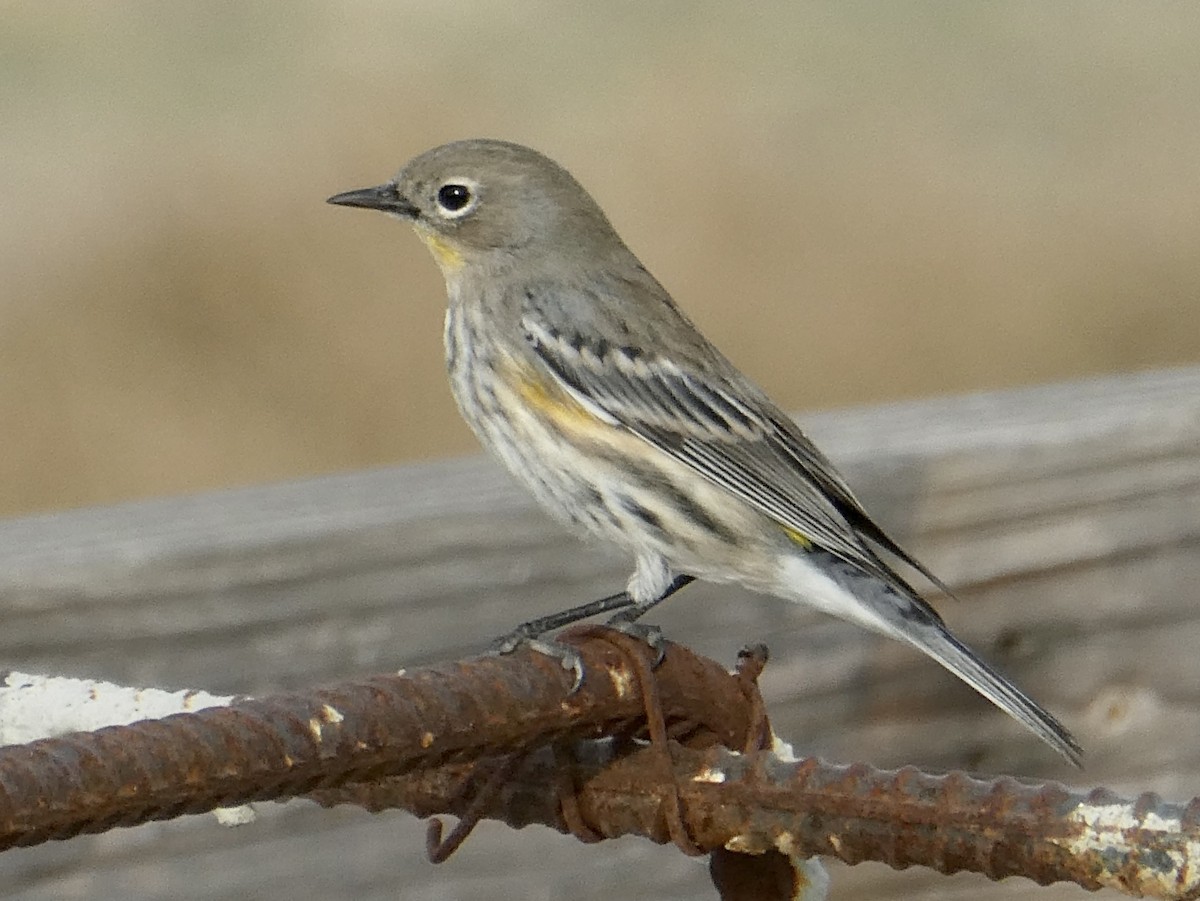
column 859, row 202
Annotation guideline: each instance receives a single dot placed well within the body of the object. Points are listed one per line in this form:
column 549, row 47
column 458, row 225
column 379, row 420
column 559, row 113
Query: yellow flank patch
column 446, row 255
column 553, row 403
column 799, row 537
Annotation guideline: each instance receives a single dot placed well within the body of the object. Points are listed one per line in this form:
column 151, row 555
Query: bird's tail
column 935, row 640
column 893, row 608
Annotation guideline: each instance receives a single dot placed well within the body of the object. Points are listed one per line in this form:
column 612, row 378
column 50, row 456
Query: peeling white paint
column 1115, row 833
column 33, row 707
column 330, row 715
column 783, row 749
column 235, row 816
column 622, row 681
column 710, row 776
column 746, row 844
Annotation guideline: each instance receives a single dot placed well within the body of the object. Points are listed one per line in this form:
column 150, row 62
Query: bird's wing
column 724, row 432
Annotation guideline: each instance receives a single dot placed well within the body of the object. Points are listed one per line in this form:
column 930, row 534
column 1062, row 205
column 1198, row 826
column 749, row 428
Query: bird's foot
column 529, row 633
column 567, row 657
column 626, row 623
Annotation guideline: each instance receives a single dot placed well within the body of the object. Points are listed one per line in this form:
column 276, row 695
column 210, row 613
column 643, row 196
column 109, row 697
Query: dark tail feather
column 947, row 650
column 867, row 527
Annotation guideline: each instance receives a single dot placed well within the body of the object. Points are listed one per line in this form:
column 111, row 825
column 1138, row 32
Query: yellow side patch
column 553, row 403
column 799, row 538
column 448, row 257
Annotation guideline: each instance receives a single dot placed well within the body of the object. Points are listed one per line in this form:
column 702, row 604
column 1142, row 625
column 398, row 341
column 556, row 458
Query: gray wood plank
column 1066, row 518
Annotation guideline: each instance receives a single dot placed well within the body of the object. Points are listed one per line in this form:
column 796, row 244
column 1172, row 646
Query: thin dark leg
column 527, row 633
column 635, row 611
column 549, row 623
column 620, row 601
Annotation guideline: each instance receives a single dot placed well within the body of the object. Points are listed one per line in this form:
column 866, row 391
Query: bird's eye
column 454, row 197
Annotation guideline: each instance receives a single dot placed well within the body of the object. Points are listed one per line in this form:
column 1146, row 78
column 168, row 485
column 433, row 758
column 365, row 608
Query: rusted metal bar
column 286, row 745
column 427, row 741
column 949, row 823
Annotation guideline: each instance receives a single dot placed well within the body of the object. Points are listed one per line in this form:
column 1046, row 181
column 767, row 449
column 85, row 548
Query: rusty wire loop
column 637, row 653
column 439, row 849
column 430, row 740
column 752, row 660
column 641, row 660
column 568, row 798
column 763, row 876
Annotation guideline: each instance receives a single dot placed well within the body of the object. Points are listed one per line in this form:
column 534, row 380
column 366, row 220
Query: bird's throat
column 448, row 258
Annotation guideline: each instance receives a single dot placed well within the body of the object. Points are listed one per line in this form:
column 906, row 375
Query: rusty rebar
column 757, row 803
column 287, row 745
column 419, row 741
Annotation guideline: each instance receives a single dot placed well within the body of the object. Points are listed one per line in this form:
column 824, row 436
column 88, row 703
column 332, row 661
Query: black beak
column 384, row 198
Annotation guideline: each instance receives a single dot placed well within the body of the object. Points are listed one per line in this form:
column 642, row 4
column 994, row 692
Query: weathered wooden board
column 1066, row 518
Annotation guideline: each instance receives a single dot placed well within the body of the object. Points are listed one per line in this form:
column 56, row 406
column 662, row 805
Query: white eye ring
column 457, row 197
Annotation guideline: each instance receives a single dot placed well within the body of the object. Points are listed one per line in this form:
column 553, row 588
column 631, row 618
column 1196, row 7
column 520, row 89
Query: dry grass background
column 858, row 202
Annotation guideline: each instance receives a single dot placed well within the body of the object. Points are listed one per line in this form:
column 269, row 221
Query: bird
column 577, row 369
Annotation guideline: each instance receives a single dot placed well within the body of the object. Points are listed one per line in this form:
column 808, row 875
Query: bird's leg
column 626, row 619
column 634, row 611
column 530, row 632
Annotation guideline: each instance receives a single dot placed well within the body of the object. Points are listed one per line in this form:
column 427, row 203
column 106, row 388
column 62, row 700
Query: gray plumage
column 577, row 369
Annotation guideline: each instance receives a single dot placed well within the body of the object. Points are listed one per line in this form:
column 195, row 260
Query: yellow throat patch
column 446, row 255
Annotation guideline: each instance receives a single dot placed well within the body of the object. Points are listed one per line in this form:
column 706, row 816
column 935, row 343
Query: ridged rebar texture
column 949, row 823
column 432, row 741
column 286, row 745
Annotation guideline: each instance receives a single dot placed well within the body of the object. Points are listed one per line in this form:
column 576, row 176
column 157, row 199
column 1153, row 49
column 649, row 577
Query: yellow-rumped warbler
column 575, row 367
